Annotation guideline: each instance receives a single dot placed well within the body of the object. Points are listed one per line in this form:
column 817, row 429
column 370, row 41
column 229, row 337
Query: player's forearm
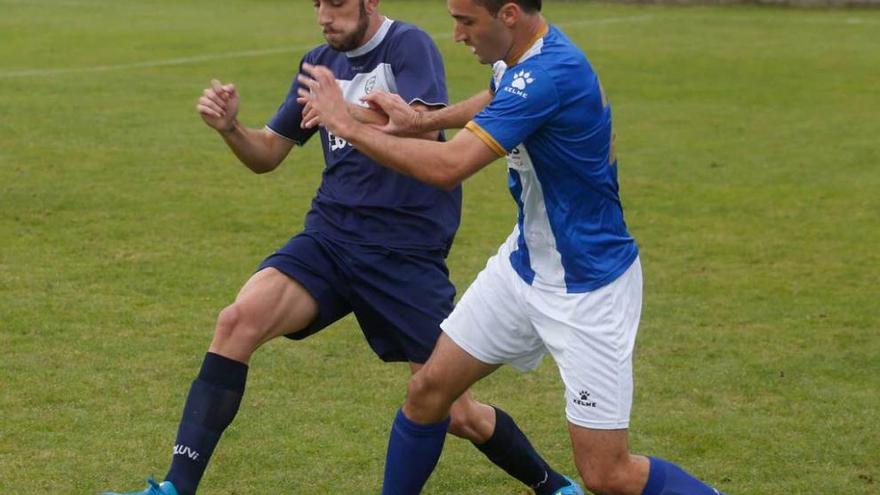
column 253, row 148
column 373, row 117
column 366, row 115
column 454, row 116
column 424, row 161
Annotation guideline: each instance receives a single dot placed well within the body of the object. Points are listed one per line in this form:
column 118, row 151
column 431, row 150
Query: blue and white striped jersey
column 550, row 117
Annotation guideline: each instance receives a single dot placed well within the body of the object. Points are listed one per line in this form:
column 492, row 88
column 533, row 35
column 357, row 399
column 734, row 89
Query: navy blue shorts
column 398, row 297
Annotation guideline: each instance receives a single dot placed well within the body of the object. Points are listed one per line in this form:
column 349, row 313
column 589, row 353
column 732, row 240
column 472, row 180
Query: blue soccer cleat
column 572, row 489
column 154, row 488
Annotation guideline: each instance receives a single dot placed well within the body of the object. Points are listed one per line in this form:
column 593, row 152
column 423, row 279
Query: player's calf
column 471, row 420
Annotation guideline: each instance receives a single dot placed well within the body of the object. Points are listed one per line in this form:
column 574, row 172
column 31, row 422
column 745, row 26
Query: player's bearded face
column 340, row 34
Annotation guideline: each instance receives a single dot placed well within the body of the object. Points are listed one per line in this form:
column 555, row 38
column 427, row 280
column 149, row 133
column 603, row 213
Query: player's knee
column 232, row 328
column 424, row 395
column 418, row 389
column 604, row 481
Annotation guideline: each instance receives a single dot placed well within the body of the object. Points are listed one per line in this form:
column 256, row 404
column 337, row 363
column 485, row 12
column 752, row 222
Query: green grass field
column 750, row 171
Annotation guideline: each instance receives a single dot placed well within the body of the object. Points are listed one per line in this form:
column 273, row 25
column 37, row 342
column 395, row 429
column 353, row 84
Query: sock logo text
column 184, row 450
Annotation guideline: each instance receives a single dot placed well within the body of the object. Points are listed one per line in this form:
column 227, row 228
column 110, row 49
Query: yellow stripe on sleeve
column 485, row 137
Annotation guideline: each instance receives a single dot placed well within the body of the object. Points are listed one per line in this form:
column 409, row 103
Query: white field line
column 153, row 63
column 246, row 53
column 53, row 3
column 294, row 49
column 777, row 20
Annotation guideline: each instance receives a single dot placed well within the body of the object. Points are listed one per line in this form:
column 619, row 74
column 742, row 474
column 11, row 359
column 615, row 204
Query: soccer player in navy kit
column 567, row 281
column 374, row 244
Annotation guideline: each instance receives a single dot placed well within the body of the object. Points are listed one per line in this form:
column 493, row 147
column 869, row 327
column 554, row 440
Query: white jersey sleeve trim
column 439, row 104
column 273, row 131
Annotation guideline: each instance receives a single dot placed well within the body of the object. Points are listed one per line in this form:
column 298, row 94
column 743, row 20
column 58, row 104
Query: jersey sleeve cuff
column 485, row 137
column 273, row 131
column 438, row 104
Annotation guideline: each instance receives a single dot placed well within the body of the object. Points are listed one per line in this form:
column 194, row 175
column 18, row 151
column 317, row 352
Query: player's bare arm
column 403, row 121
column 443, row 164
column 260, row 150
column 361, row 114
column 374, row 116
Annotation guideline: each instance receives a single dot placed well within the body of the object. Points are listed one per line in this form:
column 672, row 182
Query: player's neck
column 373, row 27
column 532, row 28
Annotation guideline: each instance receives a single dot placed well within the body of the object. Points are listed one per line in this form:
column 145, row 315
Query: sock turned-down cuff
column 420, row 430
column 223, row 372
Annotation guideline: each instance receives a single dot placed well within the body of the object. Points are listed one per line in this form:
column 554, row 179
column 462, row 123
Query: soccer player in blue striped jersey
column 567, row 281
column 374, row 244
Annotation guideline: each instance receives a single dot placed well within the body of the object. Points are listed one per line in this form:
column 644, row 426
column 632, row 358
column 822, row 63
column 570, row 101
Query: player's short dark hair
column 493, row 6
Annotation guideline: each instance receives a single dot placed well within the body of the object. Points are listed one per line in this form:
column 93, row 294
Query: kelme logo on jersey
column 520, row 81
column 583, row 399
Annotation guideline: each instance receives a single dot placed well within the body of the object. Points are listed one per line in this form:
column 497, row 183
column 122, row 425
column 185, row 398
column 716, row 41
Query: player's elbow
column 263, row 163
column 446, row 181
column 260, row 167
column 446, row 184
column 454, row 170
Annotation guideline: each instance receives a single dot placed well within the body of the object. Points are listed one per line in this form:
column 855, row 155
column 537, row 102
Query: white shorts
column 501, row 319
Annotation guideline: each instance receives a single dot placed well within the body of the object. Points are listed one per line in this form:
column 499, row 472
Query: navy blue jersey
column 358, row 199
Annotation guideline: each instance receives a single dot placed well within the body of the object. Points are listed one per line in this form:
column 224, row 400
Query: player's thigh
column 319, row 289
column 452, row 370
column 449, row 372
column 471, row 419
column 275, row 304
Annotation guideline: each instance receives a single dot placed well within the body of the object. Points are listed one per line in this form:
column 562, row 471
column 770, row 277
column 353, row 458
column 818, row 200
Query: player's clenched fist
column 218, row 106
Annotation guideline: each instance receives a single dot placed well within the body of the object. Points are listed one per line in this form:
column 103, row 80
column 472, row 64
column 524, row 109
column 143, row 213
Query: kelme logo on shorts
column 583, row 399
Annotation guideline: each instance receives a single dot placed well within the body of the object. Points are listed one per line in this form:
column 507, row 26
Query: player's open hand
column 218, row 105
column 324, row 99
column 403, row 120
column 309, row 115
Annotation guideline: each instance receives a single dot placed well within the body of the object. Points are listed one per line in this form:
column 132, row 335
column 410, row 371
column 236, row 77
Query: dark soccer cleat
column 154, row 488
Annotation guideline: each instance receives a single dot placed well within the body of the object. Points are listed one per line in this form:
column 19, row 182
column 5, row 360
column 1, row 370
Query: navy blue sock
column 510, row 450
column 665, row 478
column 213, row 401
column 413, row 452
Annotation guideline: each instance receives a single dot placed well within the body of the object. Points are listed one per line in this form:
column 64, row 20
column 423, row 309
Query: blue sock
column 510, row 449
column 413, row 452
column 213, row 401
column 665, row 478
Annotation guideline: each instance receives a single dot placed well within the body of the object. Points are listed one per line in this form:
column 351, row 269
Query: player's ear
column 509, row 13
column 371, row 6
